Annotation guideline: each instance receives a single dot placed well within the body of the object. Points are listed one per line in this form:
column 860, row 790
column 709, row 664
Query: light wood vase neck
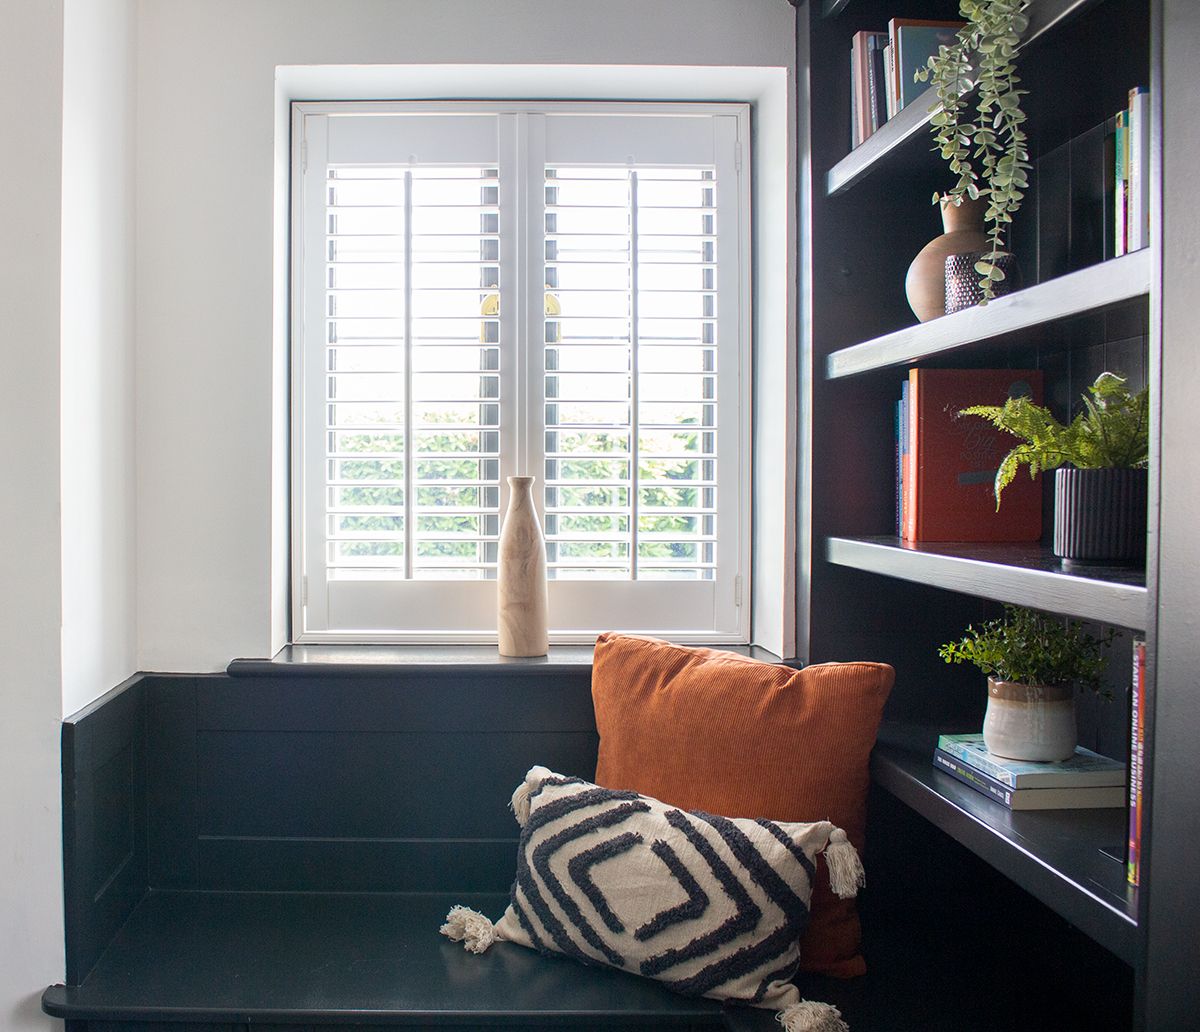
column 521, row 598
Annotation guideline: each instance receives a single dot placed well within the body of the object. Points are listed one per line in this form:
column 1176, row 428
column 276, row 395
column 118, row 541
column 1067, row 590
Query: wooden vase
column 521, row 602
column 925, row 284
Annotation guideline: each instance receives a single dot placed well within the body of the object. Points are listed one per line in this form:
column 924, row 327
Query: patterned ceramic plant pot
column 962, row 281
column 1030, row 721
column 1100, row 515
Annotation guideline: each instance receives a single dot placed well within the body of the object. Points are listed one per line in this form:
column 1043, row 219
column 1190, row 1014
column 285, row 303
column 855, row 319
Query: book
column 1080, row 797
column 949, row 486
column 1137, row 746
column 861, row 72
column 868, row 108
column 903, row 472
column 899, row 428
column 1138, row 232
column 877, row 80
column 1085, row 769
column 1121, row 185
column 891, row 103
column 913, row 42
column 856, row 107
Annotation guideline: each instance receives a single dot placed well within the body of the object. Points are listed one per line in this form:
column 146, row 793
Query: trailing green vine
column 984, row 57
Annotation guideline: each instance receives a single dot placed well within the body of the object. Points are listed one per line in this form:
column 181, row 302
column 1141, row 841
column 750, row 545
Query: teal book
column 914, row 42
column 1085, row 768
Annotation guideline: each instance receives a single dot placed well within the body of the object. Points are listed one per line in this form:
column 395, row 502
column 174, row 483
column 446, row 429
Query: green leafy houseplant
column 992, row 135
column 1032, row 648
column 1112, row 431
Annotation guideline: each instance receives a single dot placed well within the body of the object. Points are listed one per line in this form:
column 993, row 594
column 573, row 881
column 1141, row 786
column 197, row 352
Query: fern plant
column 1112, row 432
column 984, row 57
column 1033, row 648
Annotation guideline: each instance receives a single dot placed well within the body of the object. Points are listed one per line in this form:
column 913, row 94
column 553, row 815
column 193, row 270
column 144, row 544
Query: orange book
column 952, row 459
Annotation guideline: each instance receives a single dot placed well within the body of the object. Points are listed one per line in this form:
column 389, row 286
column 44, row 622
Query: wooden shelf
column 1066, row 858
column 1091, row 289
column 1023, row 574
column 878, row 148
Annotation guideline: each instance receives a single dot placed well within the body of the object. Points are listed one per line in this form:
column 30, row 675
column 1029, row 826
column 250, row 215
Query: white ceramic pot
column 1030, row 721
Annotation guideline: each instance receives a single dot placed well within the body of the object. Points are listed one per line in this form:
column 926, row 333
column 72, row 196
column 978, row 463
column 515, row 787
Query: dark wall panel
column 353, row 782
column 171, row 712
column 384, row 785
column 417, row 700
column 104, row 821
column 357, row 865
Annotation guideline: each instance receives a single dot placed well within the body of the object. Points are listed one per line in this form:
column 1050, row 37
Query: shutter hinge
column 304, row 591
column 737, row 590
column 737, row 159
column 304, row 155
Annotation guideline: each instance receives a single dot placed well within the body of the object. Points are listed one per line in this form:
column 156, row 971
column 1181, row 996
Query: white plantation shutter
column 412, row 371
column 614, row 370
column 631, row 364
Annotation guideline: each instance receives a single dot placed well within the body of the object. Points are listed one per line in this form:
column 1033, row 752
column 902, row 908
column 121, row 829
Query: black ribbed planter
column 1100, row 515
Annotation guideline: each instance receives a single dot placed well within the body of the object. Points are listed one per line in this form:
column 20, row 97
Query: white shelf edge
column 1122, row 605
column 1097, row 286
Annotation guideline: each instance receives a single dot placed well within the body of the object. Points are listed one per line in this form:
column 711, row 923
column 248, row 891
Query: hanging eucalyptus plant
column 984, row 58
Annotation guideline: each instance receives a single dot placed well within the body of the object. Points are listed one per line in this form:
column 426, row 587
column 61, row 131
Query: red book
column 952, row 459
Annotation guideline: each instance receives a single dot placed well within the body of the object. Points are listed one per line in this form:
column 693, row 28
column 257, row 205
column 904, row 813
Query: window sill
column 381, row 660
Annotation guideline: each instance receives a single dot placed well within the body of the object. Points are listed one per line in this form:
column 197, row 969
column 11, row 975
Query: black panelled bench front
column 281, row 849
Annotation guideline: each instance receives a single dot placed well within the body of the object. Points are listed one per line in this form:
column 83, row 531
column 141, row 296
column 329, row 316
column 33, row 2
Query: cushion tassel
column 846, row 875
column 520, row 803
column 810, row 1016
column 469, row 927
column 520, row 798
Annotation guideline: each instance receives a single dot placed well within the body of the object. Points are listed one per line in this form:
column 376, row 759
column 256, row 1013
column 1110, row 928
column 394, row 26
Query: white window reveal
column 482, row 291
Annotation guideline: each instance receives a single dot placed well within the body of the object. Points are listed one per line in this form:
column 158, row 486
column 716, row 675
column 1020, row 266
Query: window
column 484, row 290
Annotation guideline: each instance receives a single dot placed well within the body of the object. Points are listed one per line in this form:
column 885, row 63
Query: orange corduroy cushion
column 708, row 730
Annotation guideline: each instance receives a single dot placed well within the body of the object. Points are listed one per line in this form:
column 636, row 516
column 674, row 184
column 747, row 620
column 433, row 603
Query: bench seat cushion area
column 355, row 958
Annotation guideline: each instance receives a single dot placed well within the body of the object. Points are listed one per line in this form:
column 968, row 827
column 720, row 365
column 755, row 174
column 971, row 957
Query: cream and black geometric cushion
column 711, row 906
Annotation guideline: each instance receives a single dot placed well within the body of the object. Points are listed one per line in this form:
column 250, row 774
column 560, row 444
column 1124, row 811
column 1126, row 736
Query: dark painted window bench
column 279, row 844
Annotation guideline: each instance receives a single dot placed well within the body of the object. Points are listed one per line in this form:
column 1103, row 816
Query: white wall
column 99, row 641
column 210, row 508
column 31, row 942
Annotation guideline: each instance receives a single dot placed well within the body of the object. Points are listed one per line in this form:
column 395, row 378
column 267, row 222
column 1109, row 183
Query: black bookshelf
column 866, row 595
column 1080, row 311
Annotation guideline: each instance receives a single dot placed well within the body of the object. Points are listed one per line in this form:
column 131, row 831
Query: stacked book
column 1085, row 781
column 1131, row 186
